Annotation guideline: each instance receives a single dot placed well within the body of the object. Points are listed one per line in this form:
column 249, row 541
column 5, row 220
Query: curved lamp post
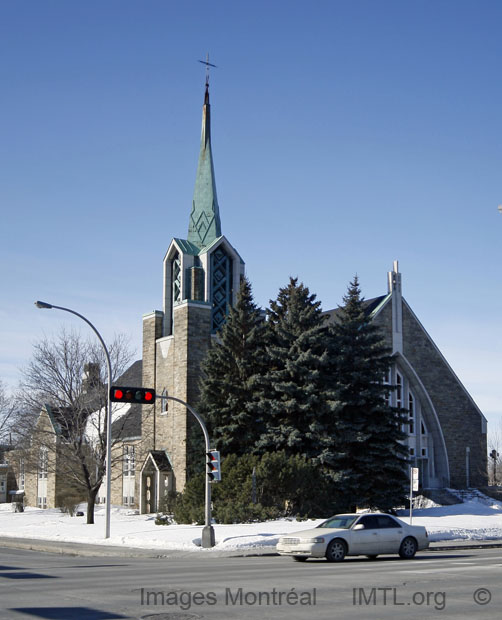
column 43, row 304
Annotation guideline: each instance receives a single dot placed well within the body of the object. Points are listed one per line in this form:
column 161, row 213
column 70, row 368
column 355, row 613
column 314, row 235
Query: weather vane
column 208, row 64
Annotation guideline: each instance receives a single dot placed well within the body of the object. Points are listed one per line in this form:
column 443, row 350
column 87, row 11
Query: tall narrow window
column 43, row 463
column 129, row 471
column 164, row 407
column 176, row 278
column 221, row 287
column 175, row 286
column 399, row 390
column 411, row 414
column 129, row 461
column 386, row 381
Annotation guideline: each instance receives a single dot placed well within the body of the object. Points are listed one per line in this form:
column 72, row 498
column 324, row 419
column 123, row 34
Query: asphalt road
column 450, row 584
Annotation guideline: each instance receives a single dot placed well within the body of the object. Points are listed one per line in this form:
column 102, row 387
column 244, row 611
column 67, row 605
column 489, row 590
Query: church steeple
column 205, row 226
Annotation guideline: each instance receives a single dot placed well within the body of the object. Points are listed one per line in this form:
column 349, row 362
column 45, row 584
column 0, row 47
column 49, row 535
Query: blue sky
column 345, row 135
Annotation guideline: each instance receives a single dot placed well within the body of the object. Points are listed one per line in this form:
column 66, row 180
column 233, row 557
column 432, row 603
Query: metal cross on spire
column 208, row 64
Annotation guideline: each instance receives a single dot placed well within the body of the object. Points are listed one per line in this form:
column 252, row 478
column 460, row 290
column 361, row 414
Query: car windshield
column 341, row 521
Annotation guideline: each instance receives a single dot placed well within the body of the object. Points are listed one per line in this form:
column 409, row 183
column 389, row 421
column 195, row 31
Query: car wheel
column 336, row 551
column 372, row 557
column 300, row 558
column 408, row 548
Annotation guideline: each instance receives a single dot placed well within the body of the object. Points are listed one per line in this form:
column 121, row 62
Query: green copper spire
column 205, row 225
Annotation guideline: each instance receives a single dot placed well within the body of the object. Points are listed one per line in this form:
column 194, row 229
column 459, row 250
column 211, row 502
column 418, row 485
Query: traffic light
column 213, row 466
column 139, row 395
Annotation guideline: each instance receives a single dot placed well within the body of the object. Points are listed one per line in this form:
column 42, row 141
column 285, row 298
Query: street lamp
column 44, row 305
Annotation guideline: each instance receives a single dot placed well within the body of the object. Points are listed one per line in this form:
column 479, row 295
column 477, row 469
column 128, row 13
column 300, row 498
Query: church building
column 201, row 276
column 446, row 432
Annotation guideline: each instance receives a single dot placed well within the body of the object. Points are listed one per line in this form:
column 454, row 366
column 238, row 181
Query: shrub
column 284, row 486
column 68, row 503
column 189, row 505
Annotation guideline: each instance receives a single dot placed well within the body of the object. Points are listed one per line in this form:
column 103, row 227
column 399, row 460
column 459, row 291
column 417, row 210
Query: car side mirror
column 359, row 526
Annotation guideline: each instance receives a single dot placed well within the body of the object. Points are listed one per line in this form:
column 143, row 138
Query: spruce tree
column 226, row 391
column 293, row 399
column 369, row 464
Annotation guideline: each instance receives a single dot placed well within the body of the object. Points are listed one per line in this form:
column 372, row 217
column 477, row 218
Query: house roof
column 61, row 419
column 132, row 376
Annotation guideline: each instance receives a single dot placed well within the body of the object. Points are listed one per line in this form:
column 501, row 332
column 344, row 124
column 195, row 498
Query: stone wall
column 177, row 370
column 461, row 423
column 463, row 426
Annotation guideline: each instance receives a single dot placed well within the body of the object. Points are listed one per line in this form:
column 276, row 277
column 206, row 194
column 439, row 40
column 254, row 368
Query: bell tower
column 201, row 278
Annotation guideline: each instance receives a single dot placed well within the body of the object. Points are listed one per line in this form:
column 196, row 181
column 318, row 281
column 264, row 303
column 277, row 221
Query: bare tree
column 68, row 373
column 495, row 455
column 7, row 413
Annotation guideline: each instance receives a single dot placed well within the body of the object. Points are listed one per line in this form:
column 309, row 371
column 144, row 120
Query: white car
column 368, row 534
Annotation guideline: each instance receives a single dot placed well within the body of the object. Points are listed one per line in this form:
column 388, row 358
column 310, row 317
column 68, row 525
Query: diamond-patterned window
column 176, row 278
column 221, row 287
column 175, row 285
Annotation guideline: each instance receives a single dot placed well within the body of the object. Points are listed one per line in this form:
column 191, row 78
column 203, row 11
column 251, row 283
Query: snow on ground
column 477, row 519
column 473, row 520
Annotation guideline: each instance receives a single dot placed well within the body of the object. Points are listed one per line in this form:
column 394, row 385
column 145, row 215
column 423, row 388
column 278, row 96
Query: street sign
column 414, row 478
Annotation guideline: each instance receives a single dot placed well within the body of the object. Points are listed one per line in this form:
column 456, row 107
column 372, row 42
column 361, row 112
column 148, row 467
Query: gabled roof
column 187, row 247
column 64, row 420
column 371, row 307
column 132, row 376
column 215, row 242
column 59, row 418
column 193, row 250
column 160, row 460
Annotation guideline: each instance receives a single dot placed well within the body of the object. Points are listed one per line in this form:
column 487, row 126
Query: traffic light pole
column 208, row 529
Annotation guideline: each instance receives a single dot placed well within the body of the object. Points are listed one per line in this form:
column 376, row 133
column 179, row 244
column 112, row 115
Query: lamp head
column 42, row 304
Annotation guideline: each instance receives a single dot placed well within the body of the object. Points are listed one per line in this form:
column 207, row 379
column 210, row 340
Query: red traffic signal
column 213, row 466
column 139, row 395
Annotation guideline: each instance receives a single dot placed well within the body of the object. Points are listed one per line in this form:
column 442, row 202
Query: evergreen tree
column 228, row 371
column 369, row 463
column 293, row 398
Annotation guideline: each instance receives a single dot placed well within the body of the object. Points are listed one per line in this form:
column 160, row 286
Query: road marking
column 452, row 569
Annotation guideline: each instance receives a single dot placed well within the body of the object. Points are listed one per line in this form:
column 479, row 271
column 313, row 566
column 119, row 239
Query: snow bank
column 473, row 520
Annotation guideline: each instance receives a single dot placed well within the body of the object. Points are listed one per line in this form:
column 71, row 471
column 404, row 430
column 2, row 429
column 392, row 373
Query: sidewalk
column 104, row 550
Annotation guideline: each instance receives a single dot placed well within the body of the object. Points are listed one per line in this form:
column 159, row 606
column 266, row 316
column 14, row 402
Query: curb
column 455, row 545
column 93, row 550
